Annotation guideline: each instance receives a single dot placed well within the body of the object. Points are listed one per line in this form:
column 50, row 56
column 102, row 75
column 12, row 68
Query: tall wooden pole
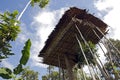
column 69, row 67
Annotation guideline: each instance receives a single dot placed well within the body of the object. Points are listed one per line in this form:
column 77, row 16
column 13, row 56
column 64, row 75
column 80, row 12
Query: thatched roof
column 62, row 39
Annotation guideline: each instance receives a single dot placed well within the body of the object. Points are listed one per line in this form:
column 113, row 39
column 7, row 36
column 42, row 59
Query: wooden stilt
column 63, row 74
column 69, row 67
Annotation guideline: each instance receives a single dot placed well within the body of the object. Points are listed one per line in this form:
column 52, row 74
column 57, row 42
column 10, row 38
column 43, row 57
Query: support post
column 69, row 67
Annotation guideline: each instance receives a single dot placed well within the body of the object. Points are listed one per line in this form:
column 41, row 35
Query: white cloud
column 44, row 22
column 104, row 4
column 45, row 17
column 112, row 18
column 101, row 53
column 5, row 63
column 23, row 36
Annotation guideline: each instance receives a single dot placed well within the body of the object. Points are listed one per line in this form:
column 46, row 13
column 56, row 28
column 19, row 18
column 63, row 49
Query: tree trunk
column 69, row 68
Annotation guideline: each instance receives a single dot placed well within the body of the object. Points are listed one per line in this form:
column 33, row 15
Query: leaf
column 8, row 32
column 2, row 57
column 34, row 1
column 15, row 12
column 5, row 73
column 43, row 3
column 18, row 69
column 25, row 53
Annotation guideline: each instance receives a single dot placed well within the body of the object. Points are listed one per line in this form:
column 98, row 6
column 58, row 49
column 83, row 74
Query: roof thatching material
column 62, row 40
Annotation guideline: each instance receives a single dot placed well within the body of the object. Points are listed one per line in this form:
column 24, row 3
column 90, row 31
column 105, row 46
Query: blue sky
column 37, row 23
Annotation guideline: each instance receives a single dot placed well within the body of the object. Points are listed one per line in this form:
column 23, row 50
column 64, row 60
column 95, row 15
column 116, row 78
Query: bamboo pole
column 63, row 74
column 83, row 74
column 112, row 63
column 85, row 58
column 102, row 43
column 104, row 74
column 109, row 57
column 108, row 40
column 95, row 71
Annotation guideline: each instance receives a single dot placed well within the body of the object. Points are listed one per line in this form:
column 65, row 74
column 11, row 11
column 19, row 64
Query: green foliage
column 52, row 74
column 5, row 73
column 42, row 3
column 34, row 1
column 25, row 53
column 115, row 55
column 44, row 78
column 25, row 57
column 28, row 74
column 116, row 44
column 18, row 69
column 80, row 74
column 113, row 64
column 80, row 57
column 9, row 30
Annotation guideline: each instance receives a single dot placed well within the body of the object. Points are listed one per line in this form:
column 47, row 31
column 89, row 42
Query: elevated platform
column 62, row 40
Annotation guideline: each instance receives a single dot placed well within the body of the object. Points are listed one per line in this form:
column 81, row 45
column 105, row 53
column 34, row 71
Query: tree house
column 61, row 47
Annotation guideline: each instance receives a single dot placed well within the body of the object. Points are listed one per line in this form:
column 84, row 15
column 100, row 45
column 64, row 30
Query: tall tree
column 28, row 74
column 8, row 32
column 80, row 74
column 113, row 58
column 52, row 74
